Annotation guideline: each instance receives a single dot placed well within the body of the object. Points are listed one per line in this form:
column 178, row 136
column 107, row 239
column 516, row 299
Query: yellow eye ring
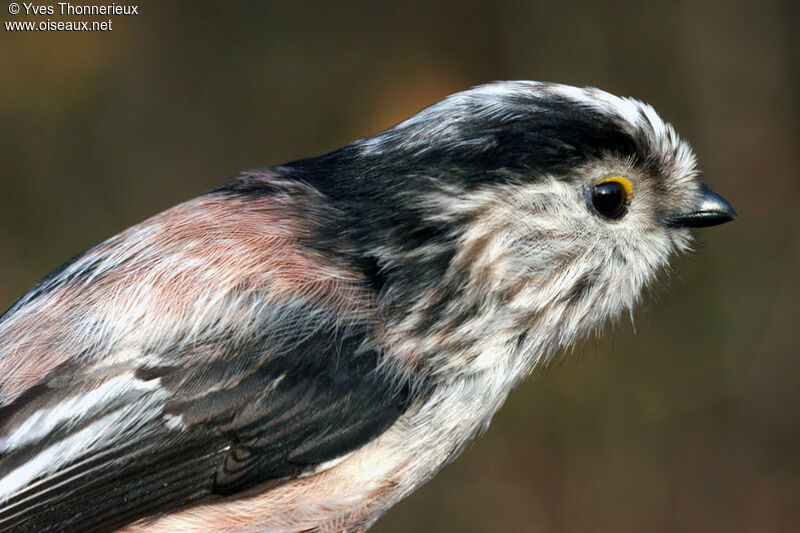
column 611, row 196
column 626, row 185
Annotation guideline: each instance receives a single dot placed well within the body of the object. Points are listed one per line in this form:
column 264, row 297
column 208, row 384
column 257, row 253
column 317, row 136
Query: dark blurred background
column 686, row 422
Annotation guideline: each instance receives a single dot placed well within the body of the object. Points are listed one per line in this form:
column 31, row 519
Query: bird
column 299, row 349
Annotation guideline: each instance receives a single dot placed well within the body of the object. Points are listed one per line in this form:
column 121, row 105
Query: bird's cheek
column 680, row 241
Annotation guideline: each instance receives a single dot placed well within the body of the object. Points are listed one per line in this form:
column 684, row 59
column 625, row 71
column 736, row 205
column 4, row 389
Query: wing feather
column 138, row 382
column 293, row 404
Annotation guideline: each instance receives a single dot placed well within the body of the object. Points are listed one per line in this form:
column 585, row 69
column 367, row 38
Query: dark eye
column 611, row 196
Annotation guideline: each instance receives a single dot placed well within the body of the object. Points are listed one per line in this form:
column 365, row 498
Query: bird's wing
column 228, row 392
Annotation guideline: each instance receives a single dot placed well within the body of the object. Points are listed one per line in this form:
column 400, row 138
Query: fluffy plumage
column 301, row 348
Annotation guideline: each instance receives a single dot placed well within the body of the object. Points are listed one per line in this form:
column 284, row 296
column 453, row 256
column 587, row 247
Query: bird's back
column 196, row 355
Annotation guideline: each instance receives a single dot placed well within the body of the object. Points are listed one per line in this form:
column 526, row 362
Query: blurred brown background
column 688, row 423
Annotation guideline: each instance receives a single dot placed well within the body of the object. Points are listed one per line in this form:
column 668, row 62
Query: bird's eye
column 611, row 197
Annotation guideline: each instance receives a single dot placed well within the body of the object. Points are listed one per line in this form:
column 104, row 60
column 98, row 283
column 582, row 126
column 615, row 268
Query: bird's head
column 518, row 213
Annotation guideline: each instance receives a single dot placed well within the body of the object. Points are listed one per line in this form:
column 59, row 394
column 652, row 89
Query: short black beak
column 711, row 209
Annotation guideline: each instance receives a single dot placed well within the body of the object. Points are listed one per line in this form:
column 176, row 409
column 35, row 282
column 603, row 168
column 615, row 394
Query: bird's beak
column 709, row 209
